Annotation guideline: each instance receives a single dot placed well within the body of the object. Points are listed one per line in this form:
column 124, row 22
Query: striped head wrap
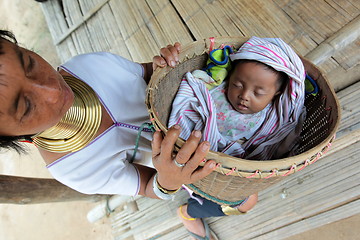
column 285, row 113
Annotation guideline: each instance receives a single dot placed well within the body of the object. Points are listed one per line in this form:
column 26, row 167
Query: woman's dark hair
column 282, row 80
column 10, row 142
column 6, row 36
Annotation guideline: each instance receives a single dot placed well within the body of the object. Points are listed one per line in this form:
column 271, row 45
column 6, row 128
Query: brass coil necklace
column 78, row 126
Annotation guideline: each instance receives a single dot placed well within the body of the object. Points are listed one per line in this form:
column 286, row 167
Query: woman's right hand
column 169, row 56
column 170, row 175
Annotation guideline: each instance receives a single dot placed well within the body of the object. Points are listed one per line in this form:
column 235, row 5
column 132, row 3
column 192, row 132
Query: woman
column 85, row 119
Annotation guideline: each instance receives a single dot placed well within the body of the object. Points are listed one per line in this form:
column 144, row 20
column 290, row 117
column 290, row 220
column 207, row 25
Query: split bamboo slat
column 324, row 24
column 342, row 38
column 140, row 226
column 349, row 58
column 332, row 215
column 321, row 21
column 149, row 25
column 132, row 24
column 145, row 26
column 55, row 19
column 90, row 6
column 247, row 18
column 350, row 111
column 164, row 16
column 77, row 16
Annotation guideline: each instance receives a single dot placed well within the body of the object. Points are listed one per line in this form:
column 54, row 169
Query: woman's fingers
column 168, row 142
column 191, row 168
column 200, row 173
column 156, row 144
column 198, row 156
column 172, row 51
column 169, row 55
column 188, row 149
column 172, row 175
column 177, row 45
column 158, row 62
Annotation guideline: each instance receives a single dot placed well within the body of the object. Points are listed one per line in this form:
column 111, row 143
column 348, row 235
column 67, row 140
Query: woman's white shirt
column 102, row 167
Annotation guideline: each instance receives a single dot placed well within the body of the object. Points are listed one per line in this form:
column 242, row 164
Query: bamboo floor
column 327, row 32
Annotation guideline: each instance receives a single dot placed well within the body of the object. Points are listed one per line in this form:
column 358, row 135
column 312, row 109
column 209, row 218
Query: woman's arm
column 169, row 56
column 170, row 176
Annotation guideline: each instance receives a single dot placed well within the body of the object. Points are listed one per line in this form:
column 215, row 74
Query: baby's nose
column 244, row 95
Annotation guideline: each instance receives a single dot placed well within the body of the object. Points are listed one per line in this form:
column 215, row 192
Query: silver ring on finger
column 179, row 164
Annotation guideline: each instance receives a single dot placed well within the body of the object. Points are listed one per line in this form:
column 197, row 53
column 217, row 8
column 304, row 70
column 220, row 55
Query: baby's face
column 251, row 87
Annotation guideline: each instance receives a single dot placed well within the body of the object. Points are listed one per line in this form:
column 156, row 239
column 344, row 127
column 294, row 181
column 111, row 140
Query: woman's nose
column 49, row 93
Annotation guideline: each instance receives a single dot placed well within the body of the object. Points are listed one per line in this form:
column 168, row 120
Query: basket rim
column 238, row 166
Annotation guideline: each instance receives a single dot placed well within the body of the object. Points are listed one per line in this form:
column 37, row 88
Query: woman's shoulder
column 93, row 55
column 101, row 58
column 102, row 61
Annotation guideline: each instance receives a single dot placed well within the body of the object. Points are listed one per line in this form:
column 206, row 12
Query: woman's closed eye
column 30, row 65
column 27, row 108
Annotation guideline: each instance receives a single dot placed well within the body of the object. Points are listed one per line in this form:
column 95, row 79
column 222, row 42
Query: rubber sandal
column 208, row 232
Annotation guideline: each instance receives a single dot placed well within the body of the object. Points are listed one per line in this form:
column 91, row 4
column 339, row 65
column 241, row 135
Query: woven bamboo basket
column 238, row 178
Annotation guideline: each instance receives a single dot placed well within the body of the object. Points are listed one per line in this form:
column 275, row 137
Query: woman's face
column 33, row 95
column 251, row 87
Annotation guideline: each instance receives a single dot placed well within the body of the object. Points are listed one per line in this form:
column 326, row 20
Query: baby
column 244, row 100
column 254, row 110
column 261, row 102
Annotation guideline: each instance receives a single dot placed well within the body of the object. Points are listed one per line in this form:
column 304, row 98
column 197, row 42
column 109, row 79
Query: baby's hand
column 169, row 56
